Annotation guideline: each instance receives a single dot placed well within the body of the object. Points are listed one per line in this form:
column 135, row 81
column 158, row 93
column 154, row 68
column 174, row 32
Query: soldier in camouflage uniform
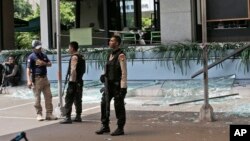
column 75, row 73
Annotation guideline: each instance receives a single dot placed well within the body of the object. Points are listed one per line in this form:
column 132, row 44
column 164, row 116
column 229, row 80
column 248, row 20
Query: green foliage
column 146, row 22
column 182, row 53
column 179, row 54
column 35, row 14
column 22, row 9
column 23, row 39
column 67, row 13
column 245, row 60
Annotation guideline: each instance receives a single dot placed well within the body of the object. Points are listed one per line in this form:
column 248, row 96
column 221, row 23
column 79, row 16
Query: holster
column 75, row 86
column 33, row 78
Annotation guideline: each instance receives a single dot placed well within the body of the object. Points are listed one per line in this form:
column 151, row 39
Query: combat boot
column 39, row 117
column 103, row 129
column 67, row 120
column 78, row 118
column 118, row 132
column 50, row 117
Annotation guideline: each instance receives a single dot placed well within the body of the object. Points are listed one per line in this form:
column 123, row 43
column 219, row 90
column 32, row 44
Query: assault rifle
column 105, row 90
column 2, row 81
column 60, row 109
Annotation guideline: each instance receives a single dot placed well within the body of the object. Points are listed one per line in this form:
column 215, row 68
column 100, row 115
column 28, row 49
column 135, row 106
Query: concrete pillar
column 7, row 25
column 47, row 23
column 176, row 20
column 1, row 25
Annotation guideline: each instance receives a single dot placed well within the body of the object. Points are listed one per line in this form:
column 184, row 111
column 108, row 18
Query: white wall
column 175, row 20
column 154, row 70
column 44, row 24
column 89, row 13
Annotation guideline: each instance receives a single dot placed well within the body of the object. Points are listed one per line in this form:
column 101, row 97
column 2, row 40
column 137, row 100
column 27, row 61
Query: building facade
column 6, row 24
column 177, row 20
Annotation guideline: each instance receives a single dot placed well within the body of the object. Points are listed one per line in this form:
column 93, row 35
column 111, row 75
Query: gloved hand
column 102, row 90
column 102, row 78
column 123, row 92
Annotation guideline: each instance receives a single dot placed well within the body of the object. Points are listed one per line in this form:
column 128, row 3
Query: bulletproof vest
column 113, row 66
column 80, row 67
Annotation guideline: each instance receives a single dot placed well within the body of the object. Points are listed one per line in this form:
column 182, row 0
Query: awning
column 33, row 26
column 20, row 23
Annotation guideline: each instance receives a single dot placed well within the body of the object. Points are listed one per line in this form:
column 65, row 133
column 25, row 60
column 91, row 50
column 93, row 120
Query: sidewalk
column 147, row 123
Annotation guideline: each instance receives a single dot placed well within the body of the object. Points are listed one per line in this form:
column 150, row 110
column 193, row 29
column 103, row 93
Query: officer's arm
column 73, row 64
column 48, row 64
column 14, row 71
column 28, row 74
column 123, row 64
column 45, row 62
column 40, row 62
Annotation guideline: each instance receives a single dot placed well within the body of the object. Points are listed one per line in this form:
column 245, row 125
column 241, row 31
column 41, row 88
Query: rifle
column 65, row 83
column 2, row 83
column 20, row 136
column 60, row 106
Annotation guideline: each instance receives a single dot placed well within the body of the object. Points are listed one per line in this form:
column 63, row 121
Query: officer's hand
column 102, row 90
column 29, row 84
column 40, row 62
column 102, row 78
column 123, row 92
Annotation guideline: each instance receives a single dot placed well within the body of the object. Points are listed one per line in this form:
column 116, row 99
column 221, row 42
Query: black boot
column 78, row 118
column 103, row 129
column 67, row 120
column 117, row 132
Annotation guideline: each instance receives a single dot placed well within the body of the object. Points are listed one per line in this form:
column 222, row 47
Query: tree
column 22, row 9
column 67, row 13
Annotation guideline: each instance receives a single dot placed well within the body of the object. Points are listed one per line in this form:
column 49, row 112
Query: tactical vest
column 80, row 67
column 114, row 71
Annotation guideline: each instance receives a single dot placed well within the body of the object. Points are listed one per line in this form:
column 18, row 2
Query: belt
column 40, row 75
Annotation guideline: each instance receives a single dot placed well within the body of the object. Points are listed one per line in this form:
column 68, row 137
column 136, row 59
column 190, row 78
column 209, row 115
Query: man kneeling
column 11, row 72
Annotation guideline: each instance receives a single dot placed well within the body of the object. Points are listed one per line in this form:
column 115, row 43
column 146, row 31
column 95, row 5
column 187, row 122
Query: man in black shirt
column 11, row 72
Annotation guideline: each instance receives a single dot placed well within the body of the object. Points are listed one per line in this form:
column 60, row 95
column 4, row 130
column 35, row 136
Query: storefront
column 176, row 20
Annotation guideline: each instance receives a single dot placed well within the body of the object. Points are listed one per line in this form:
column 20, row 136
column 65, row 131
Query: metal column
column 206, row 112
column 59, row 62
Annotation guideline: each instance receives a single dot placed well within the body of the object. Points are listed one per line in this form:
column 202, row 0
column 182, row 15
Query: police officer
column 116, row 77
column 75, row 73
column 37, row 64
